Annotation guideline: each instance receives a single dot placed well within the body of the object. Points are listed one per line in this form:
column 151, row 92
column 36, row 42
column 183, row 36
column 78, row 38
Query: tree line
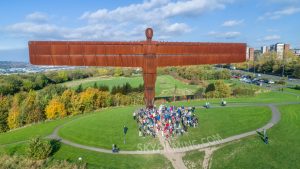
column 196, row 73
column 11, row 84
column 56, row 101
column 270, row 63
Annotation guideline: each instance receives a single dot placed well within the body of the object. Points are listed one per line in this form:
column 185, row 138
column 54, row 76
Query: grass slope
column 95, row 160
column 105, row 128
column 225, row 122
column 262, row 98
column 193, row 159
column 28, row 132
column 283, row 150
column 165, row 84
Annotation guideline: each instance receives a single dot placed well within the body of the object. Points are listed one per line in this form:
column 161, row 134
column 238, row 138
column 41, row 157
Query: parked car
column 271, row 82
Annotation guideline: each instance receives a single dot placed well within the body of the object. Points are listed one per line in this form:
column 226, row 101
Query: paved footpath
column 175, row 158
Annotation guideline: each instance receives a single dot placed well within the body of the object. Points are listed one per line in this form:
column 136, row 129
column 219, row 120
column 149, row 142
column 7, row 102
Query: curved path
column 175, row 154
column 274, row 120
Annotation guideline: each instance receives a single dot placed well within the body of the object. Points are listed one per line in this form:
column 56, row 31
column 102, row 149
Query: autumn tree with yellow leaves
column 55, row 109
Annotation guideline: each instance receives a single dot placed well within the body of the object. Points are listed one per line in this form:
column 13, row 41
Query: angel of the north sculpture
column 145, row 54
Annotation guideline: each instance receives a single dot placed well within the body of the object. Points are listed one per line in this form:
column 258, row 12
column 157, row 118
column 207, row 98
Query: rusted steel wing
column 68, row 53
column 188, row 53
column 146, row 54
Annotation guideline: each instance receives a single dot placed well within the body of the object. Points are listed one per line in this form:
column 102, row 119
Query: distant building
column 247, row 53
column 280, row 49
column 264, row 49
column 296, row 51
column 286, row 47
column 257, row 54
column 250, row 54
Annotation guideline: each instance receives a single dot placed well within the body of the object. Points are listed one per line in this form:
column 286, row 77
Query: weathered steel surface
column 146, row 54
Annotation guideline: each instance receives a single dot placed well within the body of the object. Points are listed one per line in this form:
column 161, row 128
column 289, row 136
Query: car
column 247, row 81
column 271, row 82
column 258, row 75
column 258, row 83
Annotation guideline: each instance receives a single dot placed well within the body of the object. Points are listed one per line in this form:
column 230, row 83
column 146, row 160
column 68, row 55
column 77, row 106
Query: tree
column 114, row 90
column 88, row 98
column 66, row 99
column 31, row 111
column 28, row 85
column 104, row 88
column 76, row 105
column 118, row 72
column 4, row 109
column 222, row 89
column 38, row 149
column 95, row 85
column 297, row 71
column 13, row 117
column 102, row 72
column 223, row 74
column 55, row 109
column 79, row 88
column 41, row 81
column 126, row 88
column 218, row 89
column 103, row 99
column 63, row 76
column 127, row 72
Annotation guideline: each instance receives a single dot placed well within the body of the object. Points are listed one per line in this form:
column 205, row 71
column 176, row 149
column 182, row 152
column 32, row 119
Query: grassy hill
column 283, row 150
column 165, row 84
column 104, row 127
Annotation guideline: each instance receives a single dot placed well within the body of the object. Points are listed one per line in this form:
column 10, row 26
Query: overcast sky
column 254, row 22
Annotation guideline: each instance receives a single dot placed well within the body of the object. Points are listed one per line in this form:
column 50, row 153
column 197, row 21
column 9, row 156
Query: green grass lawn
column 193, row 159
column 96, row 160
column 264, row 98
column 105, row 128
column 224, row 122
column 28, row 132
column 165, row 84
column 283, row 150
column 292, row 91
column 108, row 81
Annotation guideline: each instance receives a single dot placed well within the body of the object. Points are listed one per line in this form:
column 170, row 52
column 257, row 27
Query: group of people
column 165, row 120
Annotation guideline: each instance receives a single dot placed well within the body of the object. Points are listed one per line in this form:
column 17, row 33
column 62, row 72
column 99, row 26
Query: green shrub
column 217, row 89
column 38, row 149
column 281, row 82
column 242, row 91
column 20, row 162
column 297, row 87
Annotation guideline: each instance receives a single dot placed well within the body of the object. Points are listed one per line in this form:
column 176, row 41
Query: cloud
column 155, row 9
column 37, row 17
column 36, row 30
column 122, row 23
column 280, row 13
column 192, row 7
column 224, row 35
column 269, row 38
column 272, row 30
column 231, row 23
column 283, row 1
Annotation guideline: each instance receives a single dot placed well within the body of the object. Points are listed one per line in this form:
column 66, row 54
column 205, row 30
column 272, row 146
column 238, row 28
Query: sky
column 254, row 22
